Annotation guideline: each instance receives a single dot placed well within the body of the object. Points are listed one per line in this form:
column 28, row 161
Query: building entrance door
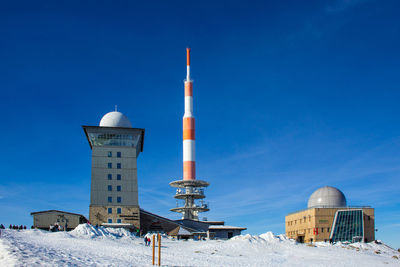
column 300, row 239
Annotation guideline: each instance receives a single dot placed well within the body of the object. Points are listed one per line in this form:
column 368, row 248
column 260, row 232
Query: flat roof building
column 328, row 218
column 68, row 220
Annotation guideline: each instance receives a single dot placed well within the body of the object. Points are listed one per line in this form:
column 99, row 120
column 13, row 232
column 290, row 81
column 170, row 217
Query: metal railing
column 195, row 191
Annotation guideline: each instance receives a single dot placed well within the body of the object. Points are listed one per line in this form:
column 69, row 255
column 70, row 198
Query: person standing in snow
column 145, row 241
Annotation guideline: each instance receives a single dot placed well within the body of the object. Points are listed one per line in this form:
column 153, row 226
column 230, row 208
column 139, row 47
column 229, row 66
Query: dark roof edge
column 44, row 211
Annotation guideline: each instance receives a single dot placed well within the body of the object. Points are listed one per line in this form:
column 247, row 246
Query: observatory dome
column 115, row 119
column 327, row 197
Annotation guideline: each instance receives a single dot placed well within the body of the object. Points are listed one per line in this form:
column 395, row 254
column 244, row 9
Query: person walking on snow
column 145, row 241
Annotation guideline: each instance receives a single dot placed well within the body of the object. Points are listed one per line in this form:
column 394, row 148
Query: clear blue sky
column 289, row 96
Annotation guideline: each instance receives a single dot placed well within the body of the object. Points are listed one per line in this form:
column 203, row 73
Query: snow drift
column 90, row 231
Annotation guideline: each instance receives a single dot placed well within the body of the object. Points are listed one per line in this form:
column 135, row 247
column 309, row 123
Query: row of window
column 300, row 220
column 110, row 176
column 110, row 220
column 110, row 210
column 118, row 188
column 110, row 154
column 309, row 231
column 109, row 165
column 110, row 199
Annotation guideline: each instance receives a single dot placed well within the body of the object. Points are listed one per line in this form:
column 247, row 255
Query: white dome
column 115, row 119
column 327, row 197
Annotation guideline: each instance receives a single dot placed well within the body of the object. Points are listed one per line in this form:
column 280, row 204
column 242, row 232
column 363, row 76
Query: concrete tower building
column 189, row 189
column 114, row 191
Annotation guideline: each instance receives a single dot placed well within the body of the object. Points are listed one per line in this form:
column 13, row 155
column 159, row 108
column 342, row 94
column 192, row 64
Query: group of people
column 16, row 227
column 147, row 241
column 56, row 227
column 13, row 227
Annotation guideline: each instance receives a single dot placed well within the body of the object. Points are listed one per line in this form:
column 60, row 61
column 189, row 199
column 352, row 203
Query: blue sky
column 289, row 96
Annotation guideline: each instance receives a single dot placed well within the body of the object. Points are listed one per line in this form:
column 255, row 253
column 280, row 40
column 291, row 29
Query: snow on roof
column 225, row 227
column 183, row 231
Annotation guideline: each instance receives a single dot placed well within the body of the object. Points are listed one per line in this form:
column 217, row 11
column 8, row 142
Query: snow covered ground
column 88, row 246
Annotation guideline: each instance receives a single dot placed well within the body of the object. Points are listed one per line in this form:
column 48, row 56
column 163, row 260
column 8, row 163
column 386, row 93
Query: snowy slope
column 88, row 246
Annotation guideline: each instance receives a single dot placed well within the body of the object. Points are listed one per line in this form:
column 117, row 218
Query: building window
column 110, row 188
column 328, row 230
column 119, row 210
column 118, row 176
column 118, row 199
column 118, row 188
column 118, row 220
column 118, row 154
column 109, row 165
column 109, row 154
column 322, row 229
column 109, row 210
column 109, row 176
column 109, row 199
column 109, row 220
column 118, row 165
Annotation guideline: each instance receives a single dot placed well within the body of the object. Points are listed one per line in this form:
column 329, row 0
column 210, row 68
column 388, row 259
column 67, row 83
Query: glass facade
column 106, row 139
column 348, row 226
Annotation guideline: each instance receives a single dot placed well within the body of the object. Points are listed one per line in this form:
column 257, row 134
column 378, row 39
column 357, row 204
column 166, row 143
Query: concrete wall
column 223, row 233
column 301, row 225
column 129, row 214
column 98, row 210
column 99, row 186
column 45, row 219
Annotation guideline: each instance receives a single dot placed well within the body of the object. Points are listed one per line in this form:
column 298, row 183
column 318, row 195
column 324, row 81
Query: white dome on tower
column 327, row 197
column 115, row 119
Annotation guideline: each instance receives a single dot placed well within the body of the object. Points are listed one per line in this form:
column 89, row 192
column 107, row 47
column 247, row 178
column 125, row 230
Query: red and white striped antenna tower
column 189, row 189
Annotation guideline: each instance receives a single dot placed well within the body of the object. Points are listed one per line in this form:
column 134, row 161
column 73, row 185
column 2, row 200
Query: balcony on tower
column 196, row 193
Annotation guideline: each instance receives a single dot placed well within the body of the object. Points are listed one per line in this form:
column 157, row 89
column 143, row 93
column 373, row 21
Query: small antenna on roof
column 116, row 107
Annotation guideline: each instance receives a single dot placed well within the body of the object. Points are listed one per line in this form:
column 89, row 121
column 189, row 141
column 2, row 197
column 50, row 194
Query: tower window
column 118, row 165
column 109, row 176
column 109, row 199
column 109, row 165
column 109, row 154
column 109, row 220
column 118, row 188
column 118, row 220
column 109, row 188
column 118, row 199
column 118, row 154
column 109, row 210
column 118, row 176
column 119, row 210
